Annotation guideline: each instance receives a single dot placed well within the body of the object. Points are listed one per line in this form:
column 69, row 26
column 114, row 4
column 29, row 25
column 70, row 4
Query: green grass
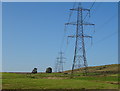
column 0, row 80
column 54, row 84
column 98, row 77
column 36, row 81
column 101, row 78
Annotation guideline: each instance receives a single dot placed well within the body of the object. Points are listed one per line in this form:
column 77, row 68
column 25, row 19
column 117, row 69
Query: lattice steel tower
column 59, row 62
column 79, row 52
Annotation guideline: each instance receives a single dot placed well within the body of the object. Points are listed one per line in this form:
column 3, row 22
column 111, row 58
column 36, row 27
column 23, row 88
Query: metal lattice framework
column 79, row 59
column 59, row 63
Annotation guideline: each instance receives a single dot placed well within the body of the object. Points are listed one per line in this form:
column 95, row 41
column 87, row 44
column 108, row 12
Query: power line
column 64, row 34
column 59, row 64
column 103, row 39
column 107, row 22
column 63, row 38
column 90, row 9
column 102, row 26
column 106, row 37
column 97, row 7
column 71, row 12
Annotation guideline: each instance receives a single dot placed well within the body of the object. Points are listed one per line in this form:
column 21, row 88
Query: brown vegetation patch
column 55, row 78
column 114, row 83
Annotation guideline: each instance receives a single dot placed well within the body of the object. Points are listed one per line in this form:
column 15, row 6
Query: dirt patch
column 55, row 78
column 114, row 83
column 117, row 83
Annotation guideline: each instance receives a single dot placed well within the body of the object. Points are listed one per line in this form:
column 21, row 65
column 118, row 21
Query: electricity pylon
column 59, row 63
column 79, row 52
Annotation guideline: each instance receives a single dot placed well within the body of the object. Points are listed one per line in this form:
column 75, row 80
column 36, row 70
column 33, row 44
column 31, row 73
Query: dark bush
column 34, row 71
column 49, row 70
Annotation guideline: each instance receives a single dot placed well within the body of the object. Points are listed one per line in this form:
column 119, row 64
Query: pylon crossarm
column 72, row 36
column 85, row 9
column 71, row 23
column 87, row 36
column 80, row 9
column 87, row 23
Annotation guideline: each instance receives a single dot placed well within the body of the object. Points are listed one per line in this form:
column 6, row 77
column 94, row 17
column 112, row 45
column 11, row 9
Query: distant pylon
column 59, row 63
column 79, row 52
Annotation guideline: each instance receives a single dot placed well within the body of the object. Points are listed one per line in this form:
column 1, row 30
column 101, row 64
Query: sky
column 33, row 35
column 1, row 36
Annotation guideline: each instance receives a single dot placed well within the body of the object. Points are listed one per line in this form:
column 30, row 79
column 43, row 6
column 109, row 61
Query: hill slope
column 108, row 69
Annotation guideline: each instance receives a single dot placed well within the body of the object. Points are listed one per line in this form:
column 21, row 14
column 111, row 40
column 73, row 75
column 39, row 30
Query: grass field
column 59, row 81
